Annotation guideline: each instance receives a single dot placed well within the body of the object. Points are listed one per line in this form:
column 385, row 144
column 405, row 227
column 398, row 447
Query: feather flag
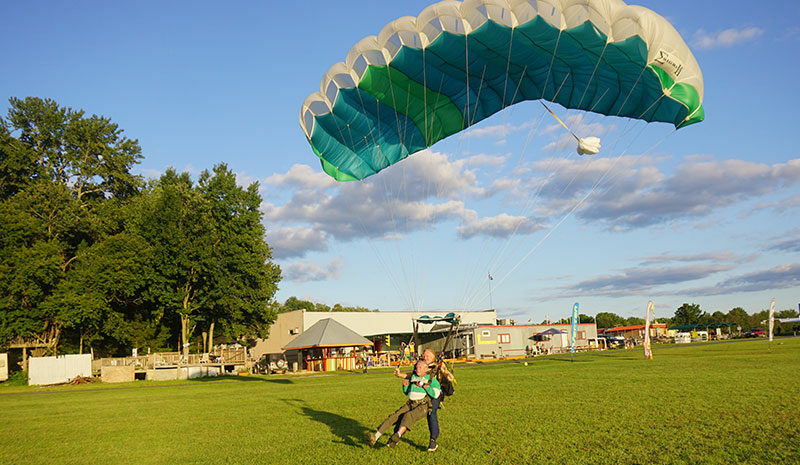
column 771, row 318
column 648, row 352
column 574, row 330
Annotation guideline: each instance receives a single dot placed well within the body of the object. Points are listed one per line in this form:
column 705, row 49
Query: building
column 396, row 327
column 516, row 340
column 636, row 332
column 477, row 336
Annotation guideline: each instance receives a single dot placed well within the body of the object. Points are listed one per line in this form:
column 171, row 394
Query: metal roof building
column 367, row 324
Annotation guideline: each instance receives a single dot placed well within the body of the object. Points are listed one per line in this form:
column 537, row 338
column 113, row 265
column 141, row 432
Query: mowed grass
column 725, row 403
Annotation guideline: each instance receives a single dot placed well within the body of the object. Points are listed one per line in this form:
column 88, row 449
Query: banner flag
column 573, row 334
column 771, row 318
column 648, row 352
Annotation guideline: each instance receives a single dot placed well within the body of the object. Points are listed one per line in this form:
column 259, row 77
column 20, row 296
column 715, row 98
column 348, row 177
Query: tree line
column 689, row 314
column 293, row 303
column 94, row 257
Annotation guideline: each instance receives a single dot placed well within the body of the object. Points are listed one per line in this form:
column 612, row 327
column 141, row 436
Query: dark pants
column 433, row 420
column 408, row 414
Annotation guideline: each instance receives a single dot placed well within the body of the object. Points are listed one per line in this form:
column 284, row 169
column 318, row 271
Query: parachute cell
column 425, row 78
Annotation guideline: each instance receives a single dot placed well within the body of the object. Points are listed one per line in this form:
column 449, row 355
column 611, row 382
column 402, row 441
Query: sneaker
column 393, row 441
column 371, row 439
column 432, row 446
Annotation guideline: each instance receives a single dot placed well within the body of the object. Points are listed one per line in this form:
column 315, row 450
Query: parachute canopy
column 425, row 78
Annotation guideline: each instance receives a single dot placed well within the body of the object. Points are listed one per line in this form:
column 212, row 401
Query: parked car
column 271, row 363
column 755, row 332
column 612, row 341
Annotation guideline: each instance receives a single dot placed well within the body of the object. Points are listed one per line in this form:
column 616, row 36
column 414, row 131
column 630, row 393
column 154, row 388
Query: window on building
column 504, row 338
column 486, row 333
column 581, row 334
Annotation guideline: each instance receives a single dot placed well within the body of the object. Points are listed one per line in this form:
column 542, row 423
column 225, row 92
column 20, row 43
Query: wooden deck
column 164, row 360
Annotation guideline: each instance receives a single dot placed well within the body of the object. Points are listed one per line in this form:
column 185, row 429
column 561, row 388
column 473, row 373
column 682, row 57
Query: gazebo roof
column 327, row 333
column 553, row 331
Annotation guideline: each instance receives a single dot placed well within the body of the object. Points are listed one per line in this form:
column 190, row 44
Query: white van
column 683, row 338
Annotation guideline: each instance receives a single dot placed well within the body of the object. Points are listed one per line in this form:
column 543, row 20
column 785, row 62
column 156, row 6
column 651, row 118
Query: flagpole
column 491, row 306
column 573, row 331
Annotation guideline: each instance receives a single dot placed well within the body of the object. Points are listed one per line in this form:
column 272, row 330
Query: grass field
column 725, row 403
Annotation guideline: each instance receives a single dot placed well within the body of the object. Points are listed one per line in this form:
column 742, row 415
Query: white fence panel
column 55, row 370
column 3, row 367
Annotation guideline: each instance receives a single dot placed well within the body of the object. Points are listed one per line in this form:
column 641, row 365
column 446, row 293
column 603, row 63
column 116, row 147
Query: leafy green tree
column 88, row 154
column 585, row 318
column 687, row 314
column 319, row 307
column 608, row 320
column 785, row 328
column 718, row 317
column 58, row 168
column 739, row 316
column 242, row 278
column 634, row 321
column 759, row 319
column 293, row 303
column 175, row 221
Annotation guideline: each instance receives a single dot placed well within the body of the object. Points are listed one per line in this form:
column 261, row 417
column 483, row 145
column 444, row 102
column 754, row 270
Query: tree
column 175, row 221
column 58, row 168
column 211, row 263
column 293, row 303
column 585, row 318
column 718, row 317
column 740, row 317
column 634, row 321
column 320, row 307
column 243, row 278
column 608, row 320
column 88, row 154
column 687, row 314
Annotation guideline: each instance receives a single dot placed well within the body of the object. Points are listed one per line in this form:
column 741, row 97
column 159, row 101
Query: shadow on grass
column 349, row 431
column 208, row 379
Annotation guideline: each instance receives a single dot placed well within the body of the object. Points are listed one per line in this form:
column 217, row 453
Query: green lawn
column 723, row 403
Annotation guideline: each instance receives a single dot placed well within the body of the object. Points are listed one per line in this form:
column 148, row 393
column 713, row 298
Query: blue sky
column 705, row 215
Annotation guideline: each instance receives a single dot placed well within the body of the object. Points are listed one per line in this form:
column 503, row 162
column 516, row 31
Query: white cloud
column 781, row 206
column 151, row 173
column 429, row 188
column 498, row 131
column 505, row 184
column 486, row 160
column 244, row 180
column 780, row 277
column 305, row 270
column 726, row 38
column 415, row 194
column 643, row 196
column 502, row 225
column 296, row 241
column 728, row 257
column 637, row 281
column 787, row 242
column 302, row 177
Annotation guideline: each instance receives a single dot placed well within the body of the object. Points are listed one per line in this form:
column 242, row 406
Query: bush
column 17, row 378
